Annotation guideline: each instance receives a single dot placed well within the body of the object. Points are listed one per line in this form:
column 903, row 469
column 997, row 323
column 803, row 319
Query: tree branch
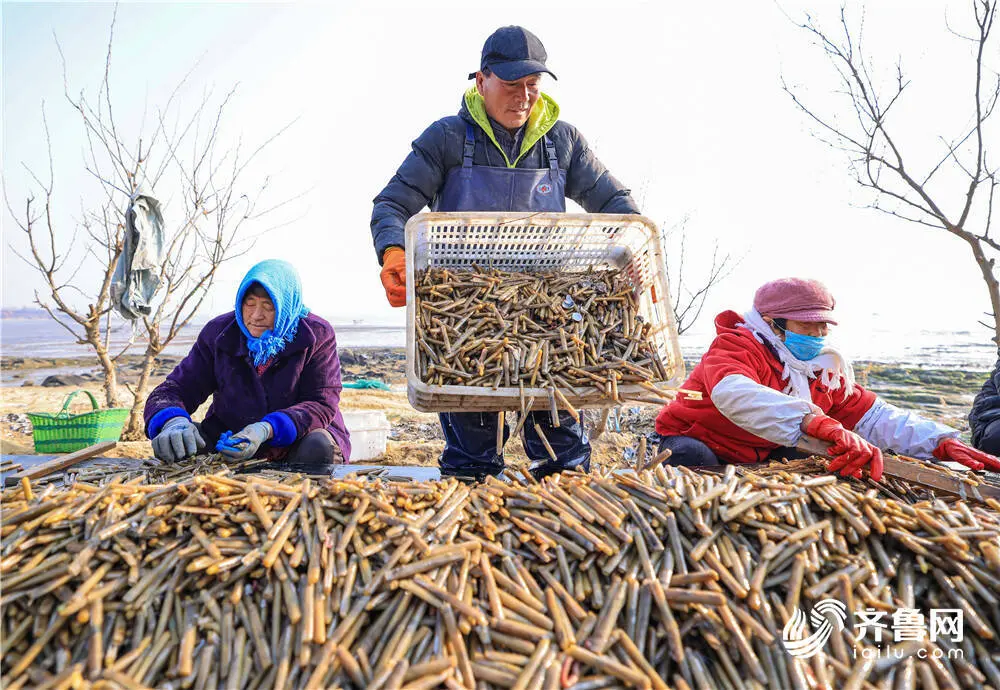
column 877, row 157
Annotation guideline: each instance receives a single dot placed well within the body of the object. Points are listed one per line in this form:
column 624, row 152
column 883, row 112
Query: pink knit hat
column 798, row 299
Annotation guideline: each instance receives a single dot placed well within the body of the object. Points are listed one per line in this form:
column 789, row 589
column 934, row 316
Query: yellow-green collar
column 540, row 120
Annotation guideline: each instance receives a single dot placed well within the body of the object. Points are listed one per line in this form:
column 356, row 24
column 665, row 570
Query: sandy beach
column 941, row 394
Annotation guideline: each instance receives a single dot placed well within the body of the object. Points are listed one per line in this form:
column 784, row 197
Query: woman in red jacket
column 769, row 378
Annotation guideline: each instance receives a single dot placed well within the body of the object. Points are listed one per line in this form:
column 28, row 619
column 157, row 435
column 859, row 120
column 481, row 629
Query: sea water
column 955, row 349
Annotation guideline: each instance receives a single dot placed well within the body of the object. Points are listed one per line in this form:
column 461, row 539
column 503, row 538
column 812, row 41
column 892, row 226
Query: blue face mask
column 804, row 347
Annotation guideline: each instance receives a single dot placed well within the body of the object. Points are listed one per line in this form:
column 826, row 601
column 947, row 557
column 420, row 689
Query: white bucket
column 369, row 431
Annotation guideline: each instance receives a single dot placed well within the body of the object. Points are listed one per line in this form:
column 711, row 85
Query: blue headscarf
column 281, row 281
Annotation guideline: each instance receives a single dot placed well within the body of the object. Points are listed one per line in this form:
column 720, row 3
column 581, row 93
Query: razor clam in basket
column 529, row 242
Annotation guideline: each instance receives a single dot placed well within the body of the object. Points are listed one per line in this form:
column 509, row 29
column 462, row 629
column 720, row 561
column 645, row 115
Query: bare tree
column 954, row 191
column 689, row 301
column 212, row 204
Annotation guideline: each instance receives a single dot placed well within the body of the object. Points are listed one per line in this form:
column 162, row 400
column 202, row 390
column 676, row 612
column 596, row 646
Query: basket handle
column 64, row 412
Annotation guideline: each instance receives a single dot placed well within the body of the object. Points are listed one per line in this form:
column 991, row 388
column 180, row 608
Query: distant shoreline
column 958, row 350
column 25, row 362
column 88, row 361
column 14, row 315
column 45, row 339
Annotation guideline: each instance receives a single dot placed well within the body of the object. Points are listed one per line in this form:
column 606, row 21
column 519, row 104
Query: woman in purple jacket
column 273, row 373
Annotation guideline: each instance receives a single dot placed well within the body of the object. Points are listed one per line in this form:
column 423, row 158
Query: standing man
column 506, row 150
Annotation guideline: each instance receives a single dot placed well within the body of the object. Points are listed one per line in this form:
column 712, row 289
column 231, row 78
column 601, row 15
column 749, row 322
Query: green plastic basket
column 64, row 432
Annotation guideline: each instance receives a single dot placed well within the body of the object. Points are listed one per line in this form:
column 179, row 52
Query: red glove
column 850, row 452
column 953, row 450
column 394, row 276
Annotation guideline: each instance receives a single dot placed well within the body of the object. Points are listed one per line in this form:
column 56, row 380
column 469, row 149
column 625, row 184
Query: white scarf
column 830, row 365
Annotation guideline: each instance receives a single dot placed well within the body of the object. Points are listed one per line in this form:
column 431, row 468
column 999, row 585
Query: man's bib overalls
column 470, row 437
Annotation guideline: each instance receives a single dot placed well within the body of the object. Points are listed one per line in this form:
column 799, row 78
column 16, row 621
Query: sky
column 682, row 102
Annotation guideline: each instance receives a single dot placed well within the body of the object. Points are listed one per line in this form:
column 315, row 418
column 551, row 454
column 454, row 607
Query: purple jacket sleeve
column 186, row 387
column 320, row 387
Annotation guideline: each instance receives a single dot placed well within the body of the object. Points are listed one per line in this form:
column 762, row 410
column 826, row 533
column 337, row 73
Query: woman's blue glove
column 245, row 444
column 178, row 439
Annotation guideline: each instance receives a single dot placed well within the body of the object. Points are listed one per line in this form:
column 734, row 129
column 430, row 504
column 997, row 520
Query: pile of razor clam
column 661, row 578
column 569, row 332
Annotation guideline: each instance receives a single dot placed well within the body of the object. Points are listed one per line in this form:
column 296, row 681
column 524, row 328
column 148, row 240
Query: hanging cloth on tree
column 136, row 278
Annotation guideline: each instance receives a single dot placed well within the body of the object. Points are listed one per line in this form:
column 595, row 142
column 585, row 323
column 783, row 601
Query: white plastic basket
column 369, row 431
column 571, row 242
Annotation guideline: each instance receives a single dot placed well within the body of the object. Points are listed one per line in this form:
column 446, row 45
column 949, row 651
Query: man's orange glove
column 954, row 450
column 394, row 276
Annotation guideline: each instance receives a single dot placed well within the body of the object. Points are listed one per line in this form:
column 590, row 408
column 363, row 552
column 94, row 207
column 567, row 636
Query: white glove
column 178, row 439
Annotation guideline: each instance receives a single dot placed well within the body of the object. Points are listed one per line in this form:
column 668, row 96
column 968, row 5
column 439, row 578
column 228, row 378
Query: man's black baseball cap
column 512, row 52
